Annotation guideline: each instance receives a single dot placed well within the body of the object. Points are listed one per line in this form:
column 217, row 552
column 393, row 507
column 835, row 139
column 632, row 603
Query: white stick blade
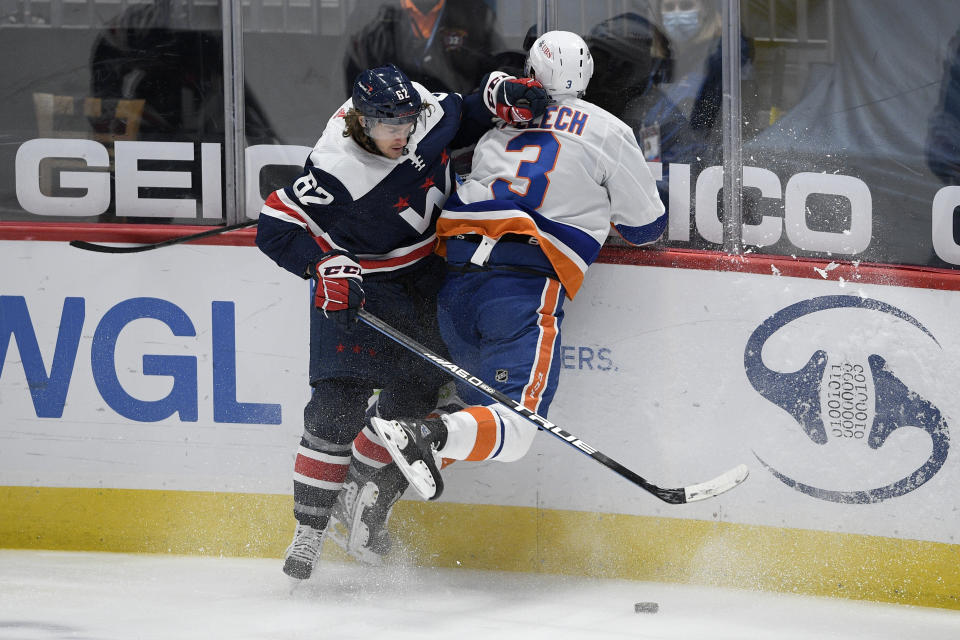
column 718, row 485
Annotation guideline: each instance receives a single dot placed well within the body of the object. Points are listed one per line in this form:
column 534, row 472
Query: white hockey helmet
column 561, row 61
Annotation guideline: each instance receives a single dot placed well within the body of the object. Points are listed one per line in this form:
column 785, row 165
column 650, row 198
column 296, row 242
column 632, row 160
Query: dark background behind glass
column 862, row 88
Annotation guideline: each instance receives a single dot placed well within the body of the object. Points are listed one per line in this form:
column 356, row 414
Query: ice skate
column 413, row 444
column 303, row 554
column 358, row 523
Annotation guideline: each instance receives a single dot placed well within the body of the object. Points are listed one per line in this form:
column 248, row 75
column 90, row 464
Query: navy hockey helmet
column 385, row 95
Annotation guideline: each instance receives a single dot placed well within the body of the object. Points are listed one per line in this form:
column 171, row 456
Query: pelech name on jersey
column 560, row 118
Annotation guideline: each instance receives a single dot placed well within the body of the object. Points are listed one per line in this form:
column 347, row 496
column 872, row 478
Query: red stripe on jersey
column 370, row 449
column 399, row 261
column 319, row 470
column 369, row 264
column 274, row 202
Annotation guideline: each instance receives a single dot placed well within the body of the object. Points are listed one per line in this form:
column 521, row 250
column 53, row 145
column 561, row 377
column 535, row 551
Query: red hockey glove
column 514, row 100
column 338, row 287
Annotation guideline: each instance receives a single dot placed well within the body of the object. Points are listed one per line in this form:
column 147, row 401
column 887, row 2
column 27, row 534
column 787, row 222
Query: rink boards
column 166, row 390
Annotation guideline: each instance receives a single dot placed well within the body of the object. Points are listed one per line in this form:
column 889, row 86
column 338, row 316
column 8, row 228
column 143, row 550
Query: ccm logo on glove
column 339, row 290
column 348, row 270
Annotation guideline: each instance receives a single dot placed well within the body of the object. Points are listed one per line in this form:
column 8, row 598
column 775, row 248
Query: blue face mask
column 681, row 25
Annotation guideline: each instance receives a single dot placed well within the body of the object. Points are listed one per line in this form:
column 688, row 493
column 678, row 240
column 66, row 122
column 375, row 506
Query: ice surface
column 47, row 595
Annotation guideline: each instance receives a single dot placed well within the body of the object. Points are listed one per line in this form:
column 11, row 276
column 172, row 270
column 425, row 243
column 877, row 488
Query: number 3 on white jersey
column 535, row 172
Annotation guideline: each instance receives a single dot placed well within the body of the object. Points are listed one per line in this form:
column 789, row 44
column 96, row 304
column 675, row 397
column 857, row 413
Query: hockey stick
column 681, row 495
column 104, row 248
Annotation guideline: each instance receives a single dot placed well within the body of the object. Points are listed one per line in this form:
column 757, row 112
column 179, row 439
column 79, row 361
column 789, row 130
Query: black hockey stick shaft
column 104, row 248
column 672, row 496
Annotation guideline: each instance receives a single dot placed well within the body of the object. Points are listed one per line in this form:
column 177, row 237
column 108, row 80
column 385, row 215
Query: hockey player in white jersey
column 518, row 236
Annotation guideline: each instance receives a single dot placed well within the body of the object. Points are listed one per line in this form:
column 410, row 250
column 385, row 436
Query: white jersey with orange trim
column 564, row 180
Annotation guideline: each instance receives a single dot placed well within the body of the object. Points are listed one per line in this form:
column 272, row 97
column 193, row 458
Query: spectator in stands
column 632, row 61
column 943, row 133
column 693, row 28
column 149, row 52
column 445, row 45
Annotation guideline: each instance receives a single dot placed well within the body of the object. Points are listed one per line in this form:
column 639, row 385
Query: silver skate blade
column 418, row 473
column 420, row 478
column 336, row 531
column 359, row 533
column 366, row 557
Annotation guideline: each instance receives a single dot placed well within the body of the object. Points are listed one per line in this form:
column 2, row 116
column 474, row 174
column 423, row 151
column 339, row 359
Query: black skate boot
column 413, row 444
column 358, row 523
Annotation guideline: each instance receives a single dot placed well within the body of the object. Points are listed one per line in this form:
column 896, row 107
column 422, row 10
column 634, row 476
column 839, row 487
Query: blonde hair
column 354, row 129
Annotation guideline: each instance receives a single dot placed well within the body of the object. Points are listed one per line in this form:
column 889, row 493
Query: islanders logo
column 848, row 398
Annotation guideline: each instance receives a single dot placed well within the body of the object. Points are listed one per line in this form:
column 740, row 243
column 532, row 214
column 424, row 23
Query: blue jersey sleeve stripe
column 643, row 234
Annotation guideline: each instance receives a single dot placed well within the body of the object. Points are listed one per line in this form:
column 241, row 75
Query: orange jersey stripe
column 448, row 225
column 567, row 270
column 549, row 331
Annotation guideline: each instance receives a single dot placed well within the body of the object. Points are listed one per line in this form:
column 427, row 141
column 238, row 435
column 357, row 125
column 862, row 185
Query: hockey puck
column 646, row 607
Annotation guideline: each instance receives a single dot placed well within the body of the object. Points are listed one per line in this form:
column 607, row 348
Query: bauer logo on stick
column 674, row 495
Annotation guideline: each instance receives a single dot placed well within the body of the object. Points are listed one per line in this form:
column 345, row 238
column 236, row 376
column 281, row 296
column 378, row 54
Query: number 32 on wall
column 535, row 172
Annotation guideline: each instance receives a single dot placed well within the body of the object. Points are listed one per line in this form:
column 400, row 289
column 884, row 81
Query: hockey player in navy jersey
column 360, row 223
column 518, row 236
